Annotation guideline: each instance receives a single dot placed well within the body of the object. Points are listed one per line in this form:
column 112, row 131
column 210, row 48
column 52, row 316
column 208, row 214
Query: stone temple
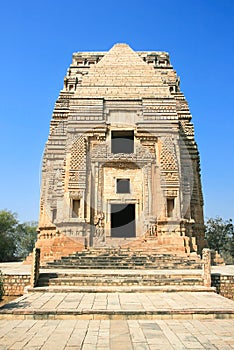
column 121, row 166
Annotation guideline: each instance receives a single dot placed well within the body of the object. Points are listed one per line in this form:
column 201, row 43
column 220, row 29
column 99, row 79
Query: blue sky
column 37, row 42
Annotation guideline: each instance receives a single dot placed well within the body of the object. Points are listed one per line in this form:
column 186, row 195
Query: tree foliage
column 26, row 237
column 8, row 224
column 220, row 237
column 16, row 239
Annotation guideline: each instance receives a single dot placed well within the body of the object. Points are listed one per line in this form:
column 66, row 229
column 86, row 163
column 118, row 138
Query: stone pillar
column 35, row 267
column 206, row 257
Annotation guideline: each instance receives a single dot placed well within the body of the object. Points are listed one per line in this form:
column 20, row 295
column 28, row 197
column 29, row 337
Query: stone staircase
column 122, row 270
column 90, row 285
column 125, row 259
column 109, row 281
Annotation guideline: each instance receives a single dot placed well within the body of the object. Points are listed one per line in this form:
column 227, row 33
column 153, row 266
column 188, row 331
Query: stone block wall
column 224, row 285
column 14, row 284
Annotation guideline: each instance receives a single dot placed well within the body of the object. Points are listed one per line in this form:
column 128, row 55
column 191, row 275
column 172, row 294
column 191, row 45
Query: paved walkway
column 117, row 335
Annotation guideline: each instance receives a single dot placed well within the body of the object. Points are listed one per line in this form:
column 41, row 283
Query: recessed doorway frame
column 138, row 228
column 125, row 214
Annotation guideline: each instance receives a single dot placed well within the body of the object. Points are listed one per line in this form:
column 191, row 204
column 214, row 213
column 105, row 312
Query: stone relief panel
column 78, row 153
column 168, row 159
column 77, row 167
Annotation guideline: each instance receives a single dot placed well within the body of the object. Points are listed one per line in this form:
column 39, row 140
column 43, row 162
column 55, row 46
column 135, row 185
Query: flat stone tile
column 132, row 334
column 140, row 346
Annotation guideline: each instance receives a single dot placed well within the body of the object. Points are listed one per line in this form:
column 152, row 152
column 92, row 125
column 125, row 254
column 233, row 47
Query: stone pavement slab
column 118, row 306
column 116, row 335
column 14, row 268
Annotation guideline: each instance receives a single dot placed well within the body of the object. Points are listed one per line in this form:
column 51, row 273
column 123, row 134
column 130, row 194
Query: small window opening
column 123, row 186
column 122, row 141
column 170, row 207
column 75, row 208
column 54, row 215
column 70, row 87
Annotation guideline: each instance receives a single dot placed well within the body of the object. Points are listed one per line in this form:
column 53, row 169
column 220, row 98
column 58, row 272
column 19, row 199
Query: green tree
column 16, row 239
column 220, row 237
column 8, row 224
column 26, row 238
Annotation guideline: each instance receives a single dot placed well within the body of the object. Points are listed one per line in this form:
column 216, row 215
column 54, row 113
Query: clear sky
column 37, row 42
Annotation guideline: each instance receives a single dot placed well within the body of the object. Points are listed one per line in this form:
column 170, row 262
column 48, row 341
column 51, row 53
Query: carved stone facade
column 121, row 162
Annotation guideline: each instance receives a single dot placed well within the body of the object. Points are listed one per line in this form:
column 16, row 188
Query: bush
column 1, row 285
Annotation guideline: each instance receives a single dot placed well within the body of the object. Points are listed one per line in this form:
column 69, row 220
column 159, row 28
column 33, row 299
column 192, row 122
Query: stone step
column 122, row 266
column 129, row 258
column 124, row 282
column 123, row 278
column 106, row 258
column 121, row 289
column 141, row 274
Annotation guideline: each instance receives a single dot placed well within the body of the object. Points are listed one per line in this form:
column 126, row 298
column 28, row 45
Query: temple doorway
column 123, row 220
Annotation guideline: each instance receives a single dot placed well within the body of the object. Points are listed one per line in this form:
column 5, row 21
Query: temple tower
column 121, row 164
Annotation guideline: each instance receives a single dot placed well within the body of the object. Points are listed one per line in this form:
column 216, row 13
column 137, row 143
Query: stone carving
column 61, row 103
column 99, row 226
column 171, row 193
column 168, row 156
column 77, row 169
column 171, row 176
column 78, row 153
column 76, row 194
column 153, row 229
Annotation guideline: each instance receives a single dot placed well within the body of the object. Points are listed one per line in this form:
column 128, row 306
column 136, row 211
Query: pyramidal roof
column 122, row 55
column 121, row 66
column 124, row 69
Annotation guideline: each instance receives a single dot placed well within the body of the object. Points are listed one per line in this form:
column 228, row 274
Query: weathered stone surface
column 14, row 284
column 224, row 284
column 132, row 101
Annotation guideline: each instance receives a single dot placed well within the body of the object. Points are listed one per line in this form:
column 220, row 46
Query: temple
column 121, row 166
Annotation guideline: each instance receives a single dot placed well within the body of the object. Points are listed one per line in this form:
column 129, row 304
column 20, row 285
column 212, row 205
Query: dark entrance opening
column 123, row 220
column 122, row 141
column 123, row 186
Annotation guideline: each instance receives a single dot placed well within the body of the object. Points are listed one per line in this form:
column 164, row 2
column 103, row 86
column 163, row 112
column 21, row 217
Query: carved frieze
column 62, row 103
column 76, row 194
column 171, row 193
column 159, row 109
column 171, row 176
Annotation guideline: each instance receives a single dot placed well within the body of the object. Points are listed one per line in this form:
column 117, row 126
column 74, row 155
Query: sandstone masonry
column 121, row 165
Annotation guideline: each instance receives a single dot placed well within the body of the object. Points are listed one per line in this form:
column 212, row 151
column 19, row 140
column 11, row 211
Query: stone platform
column 118, row 305
column 72, row 319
